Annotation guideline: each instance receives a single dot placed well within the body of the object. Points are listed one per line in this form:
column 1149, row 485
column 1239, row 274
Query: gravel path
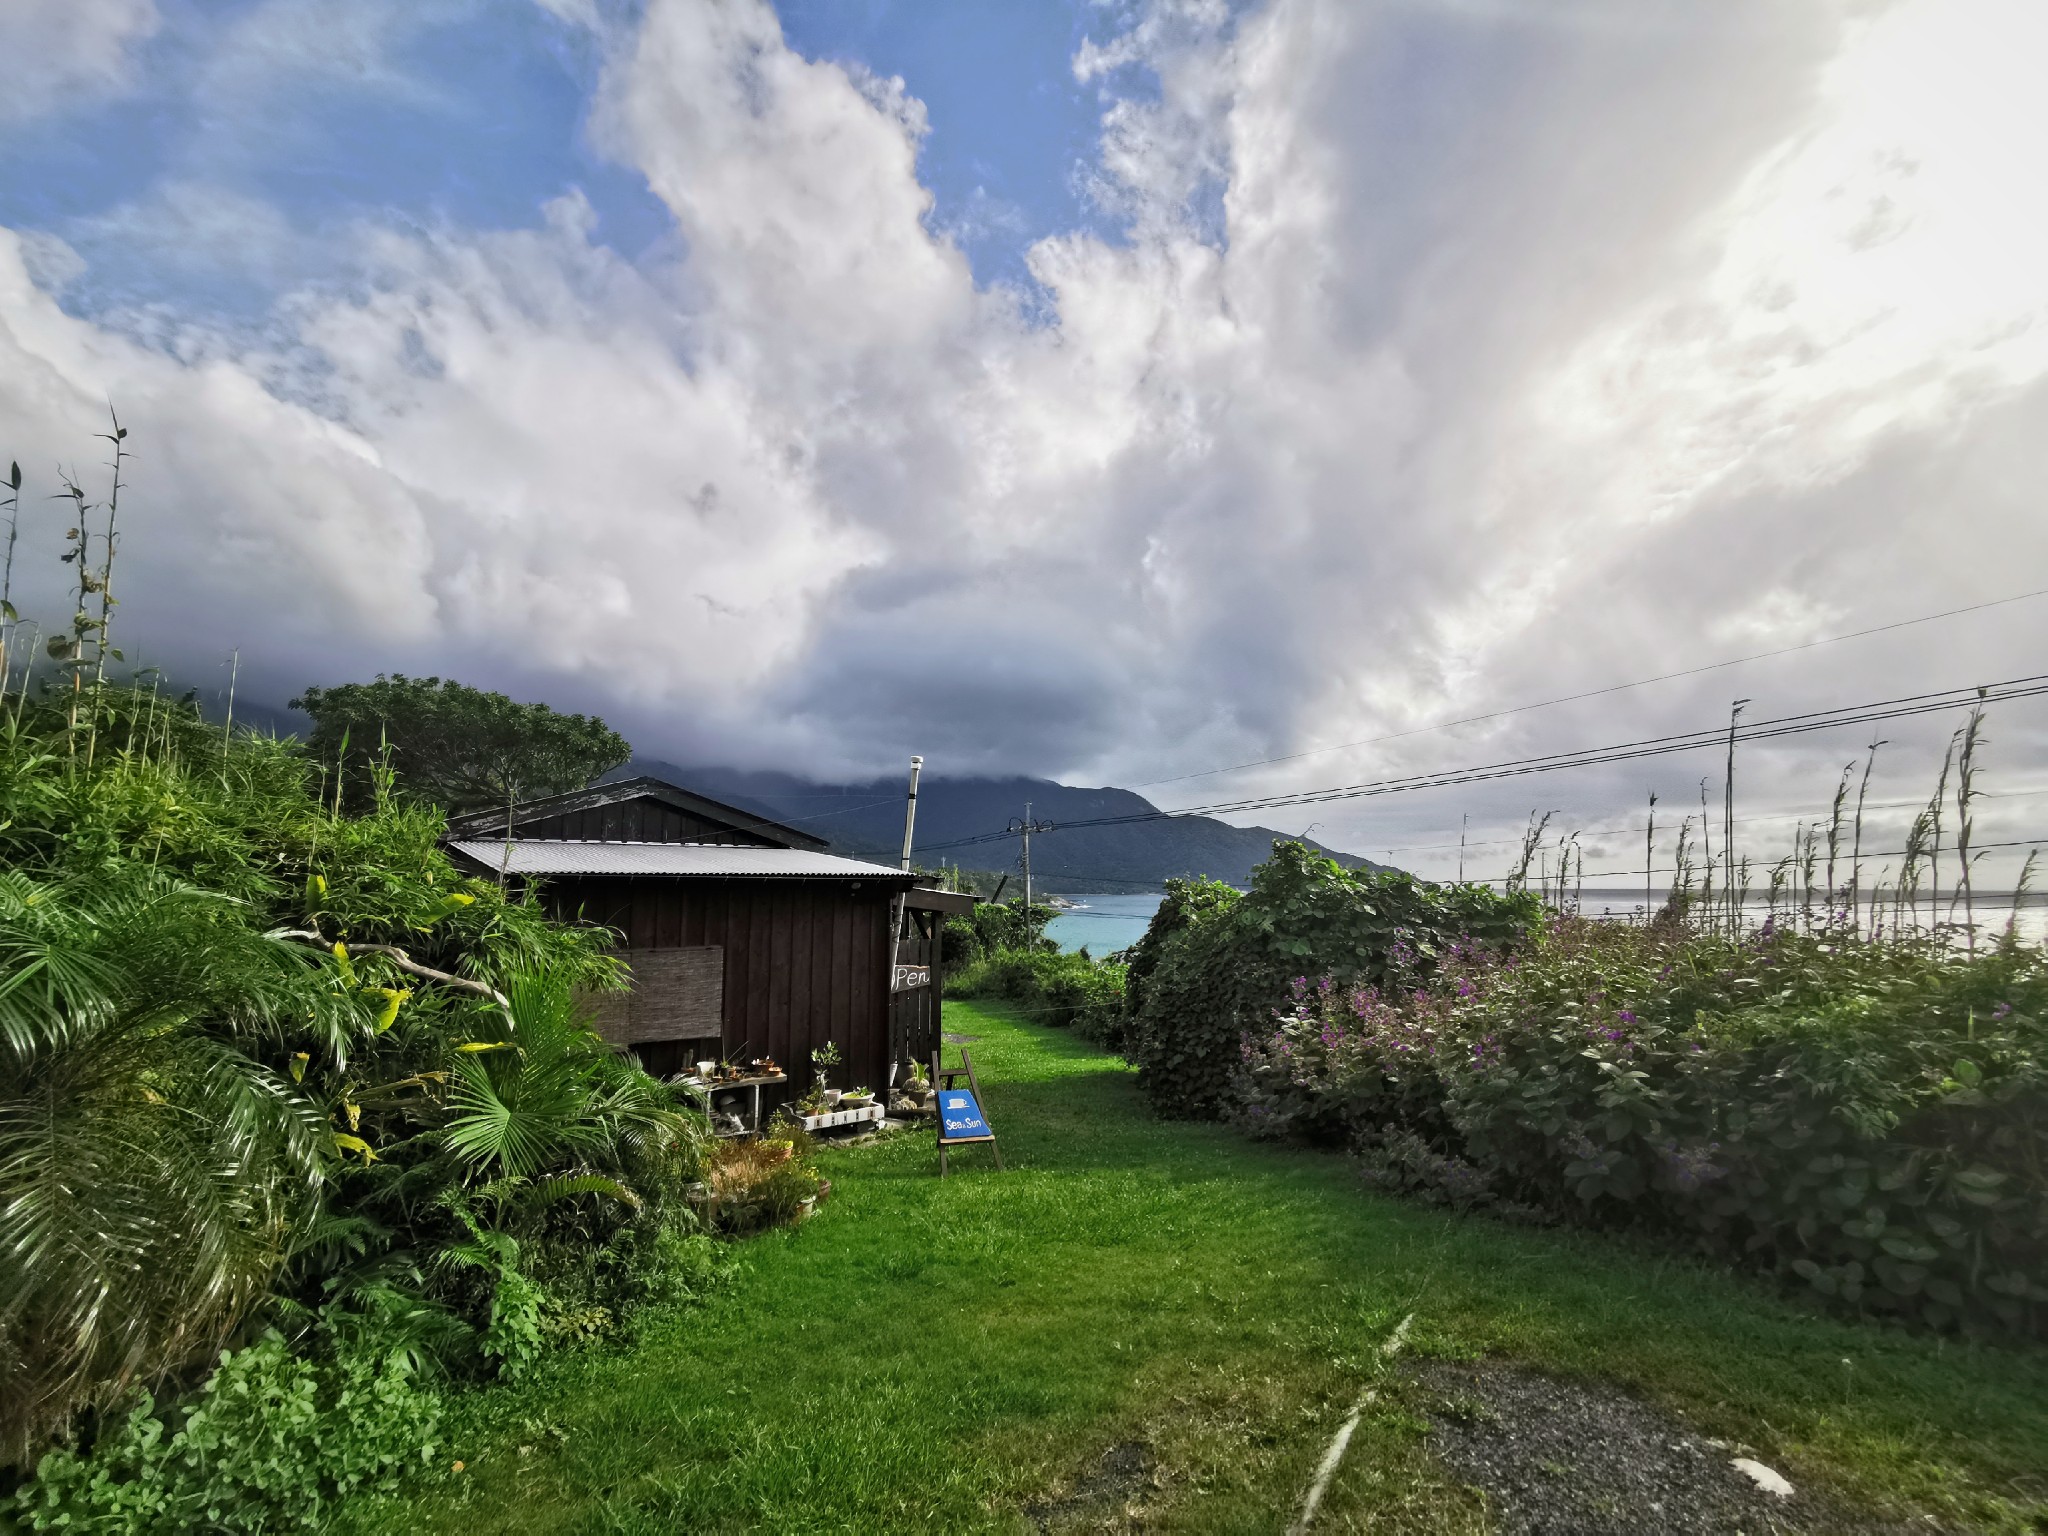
column 1559, row 1459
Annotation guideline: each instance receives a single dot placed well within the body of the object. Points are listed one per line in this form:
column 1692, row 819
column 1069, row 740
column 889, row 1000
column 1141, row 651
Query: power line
column 1740, row 821
column 1594, row 693
column 1866, row 857
column 1152, row 884
column 1655, row 746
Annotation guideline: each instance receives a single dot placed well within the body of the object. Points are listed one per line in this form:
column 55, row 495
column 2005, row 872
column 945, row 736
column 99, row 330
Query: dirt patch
column 1559, row 1459
column 1100, row 1493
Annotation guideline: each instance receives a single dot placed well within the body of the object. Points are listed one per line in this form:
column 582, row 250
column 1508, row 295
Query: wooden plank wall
column 806, row 961
column 639, row 821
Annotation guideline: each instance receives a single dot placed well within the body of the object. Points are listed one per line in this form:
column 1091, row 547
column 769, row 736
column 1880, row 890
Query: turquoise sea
column 1103, row 923
column 1106, row 923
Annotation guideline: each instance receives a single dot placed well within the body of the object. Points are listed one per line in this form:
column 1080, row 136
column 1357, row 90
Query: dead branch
column 404, row 962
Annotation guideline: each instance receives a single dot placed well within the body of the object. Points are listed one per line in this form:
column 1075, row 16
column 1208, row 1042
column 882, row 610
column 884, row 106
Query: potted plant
column 856, row 1098
column 919, row 1088
column 823, row 1060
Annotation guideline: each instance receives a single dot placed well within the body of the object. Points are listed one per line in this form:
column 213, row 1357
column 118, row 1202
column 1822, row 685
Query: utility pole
column 1024, row 829
column 1650, row 859
column 1728, row 823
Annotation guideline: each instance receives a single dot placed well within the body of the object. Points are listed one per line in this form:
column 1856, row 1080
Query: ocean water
column 1104, row 923
column 1993, row 911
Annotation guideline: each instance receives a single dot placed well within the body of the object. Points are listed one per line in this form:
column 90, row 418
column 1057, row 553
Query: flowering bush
column 1216, row 964
column 1872, row 1118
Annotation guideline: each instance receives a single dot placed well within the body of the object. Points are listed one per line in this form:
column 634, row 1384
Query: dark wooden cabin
column 745, row 938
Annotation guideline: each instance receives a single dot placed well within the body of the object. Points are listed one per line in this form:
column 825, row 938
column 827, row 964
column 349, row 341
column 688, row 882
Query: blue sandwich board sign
column 960, row 1117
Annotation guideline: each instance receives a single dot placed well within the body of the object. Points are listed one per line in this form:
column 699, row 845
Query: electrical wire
column 1865, row 857
column 1901, row 707
column 1740, row 821
column 1594, row 693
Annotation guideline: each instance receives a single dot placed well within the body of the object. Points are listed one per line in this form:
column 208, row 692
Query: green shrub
column 990, row 929
column 1221, row 964
column 274, row 1440
column 218, row 1083
column 1186, row 902
column 1069, row 991
column 1870, row 1118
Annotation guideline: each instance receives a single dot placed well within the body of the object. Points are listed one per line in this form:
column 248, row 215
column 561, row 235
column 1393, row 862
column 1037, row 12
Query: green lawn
column 942, row 1355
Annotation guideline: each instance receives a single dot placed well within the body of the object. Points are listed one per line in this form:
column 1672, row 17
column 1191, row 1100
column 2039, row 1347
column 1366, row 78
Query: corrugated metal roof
column 537, row 856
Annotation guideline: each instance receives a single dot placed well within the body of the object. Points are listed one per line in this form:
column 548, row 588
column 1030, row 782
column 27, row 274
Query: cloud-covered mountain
column 866, row 819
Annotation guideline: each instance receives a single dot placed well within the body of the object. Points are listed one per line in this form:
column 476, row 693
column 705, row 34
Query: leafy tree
column 461, row 748
column 152, row 1174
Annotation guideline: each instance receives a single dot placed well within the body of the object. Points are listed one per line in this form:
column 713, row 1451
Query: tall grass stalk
column 8, row 617
column 1681, row 875
column 1856, row 849
column 2020, row 891
column 111, row 542
column 1706, row 859
column 227, row 730
column 1835, row 838
column 1934, row 812
column 1966, row 792
column 1532, row 840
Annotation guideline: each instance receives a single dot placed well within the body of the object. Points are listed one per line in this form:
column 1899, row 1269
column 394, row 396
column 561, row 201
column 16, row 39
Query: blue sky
column 1148, row 386
column 470, row 113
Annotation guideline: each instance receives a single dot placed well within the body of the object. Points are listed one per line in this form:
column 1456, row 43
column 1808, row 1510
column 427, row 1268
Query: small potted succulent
column 919, row 1087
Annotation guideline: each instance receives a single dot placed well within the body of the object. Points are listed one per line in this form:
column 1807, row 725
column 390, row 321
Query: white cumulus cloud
column 1449, row 356
column 63, row 51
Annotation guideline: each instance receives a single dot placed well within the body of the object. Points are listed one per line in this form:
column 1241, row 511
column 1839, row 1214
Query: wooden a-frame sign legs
column 960, row 1119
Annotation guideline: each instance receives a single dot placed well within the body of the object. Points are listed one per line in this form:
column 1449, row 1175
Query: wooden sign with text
column 960, row 1117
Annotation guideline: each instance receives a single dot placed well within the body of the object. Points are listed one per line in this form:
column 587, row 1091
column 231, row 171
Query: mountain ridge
column 869, row 823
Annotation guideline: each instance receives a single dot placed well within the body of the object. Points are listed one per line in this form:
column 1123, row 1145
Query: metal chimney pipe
column 896, row 914
column 910, row 811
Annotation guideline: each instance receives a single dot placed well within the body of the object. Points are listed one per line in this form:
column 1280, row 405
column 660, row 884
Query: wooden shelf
column 835, row 1117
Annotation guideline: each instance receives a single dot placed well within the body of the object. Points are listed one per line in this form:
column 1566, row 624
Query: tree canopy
column 457, row 747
